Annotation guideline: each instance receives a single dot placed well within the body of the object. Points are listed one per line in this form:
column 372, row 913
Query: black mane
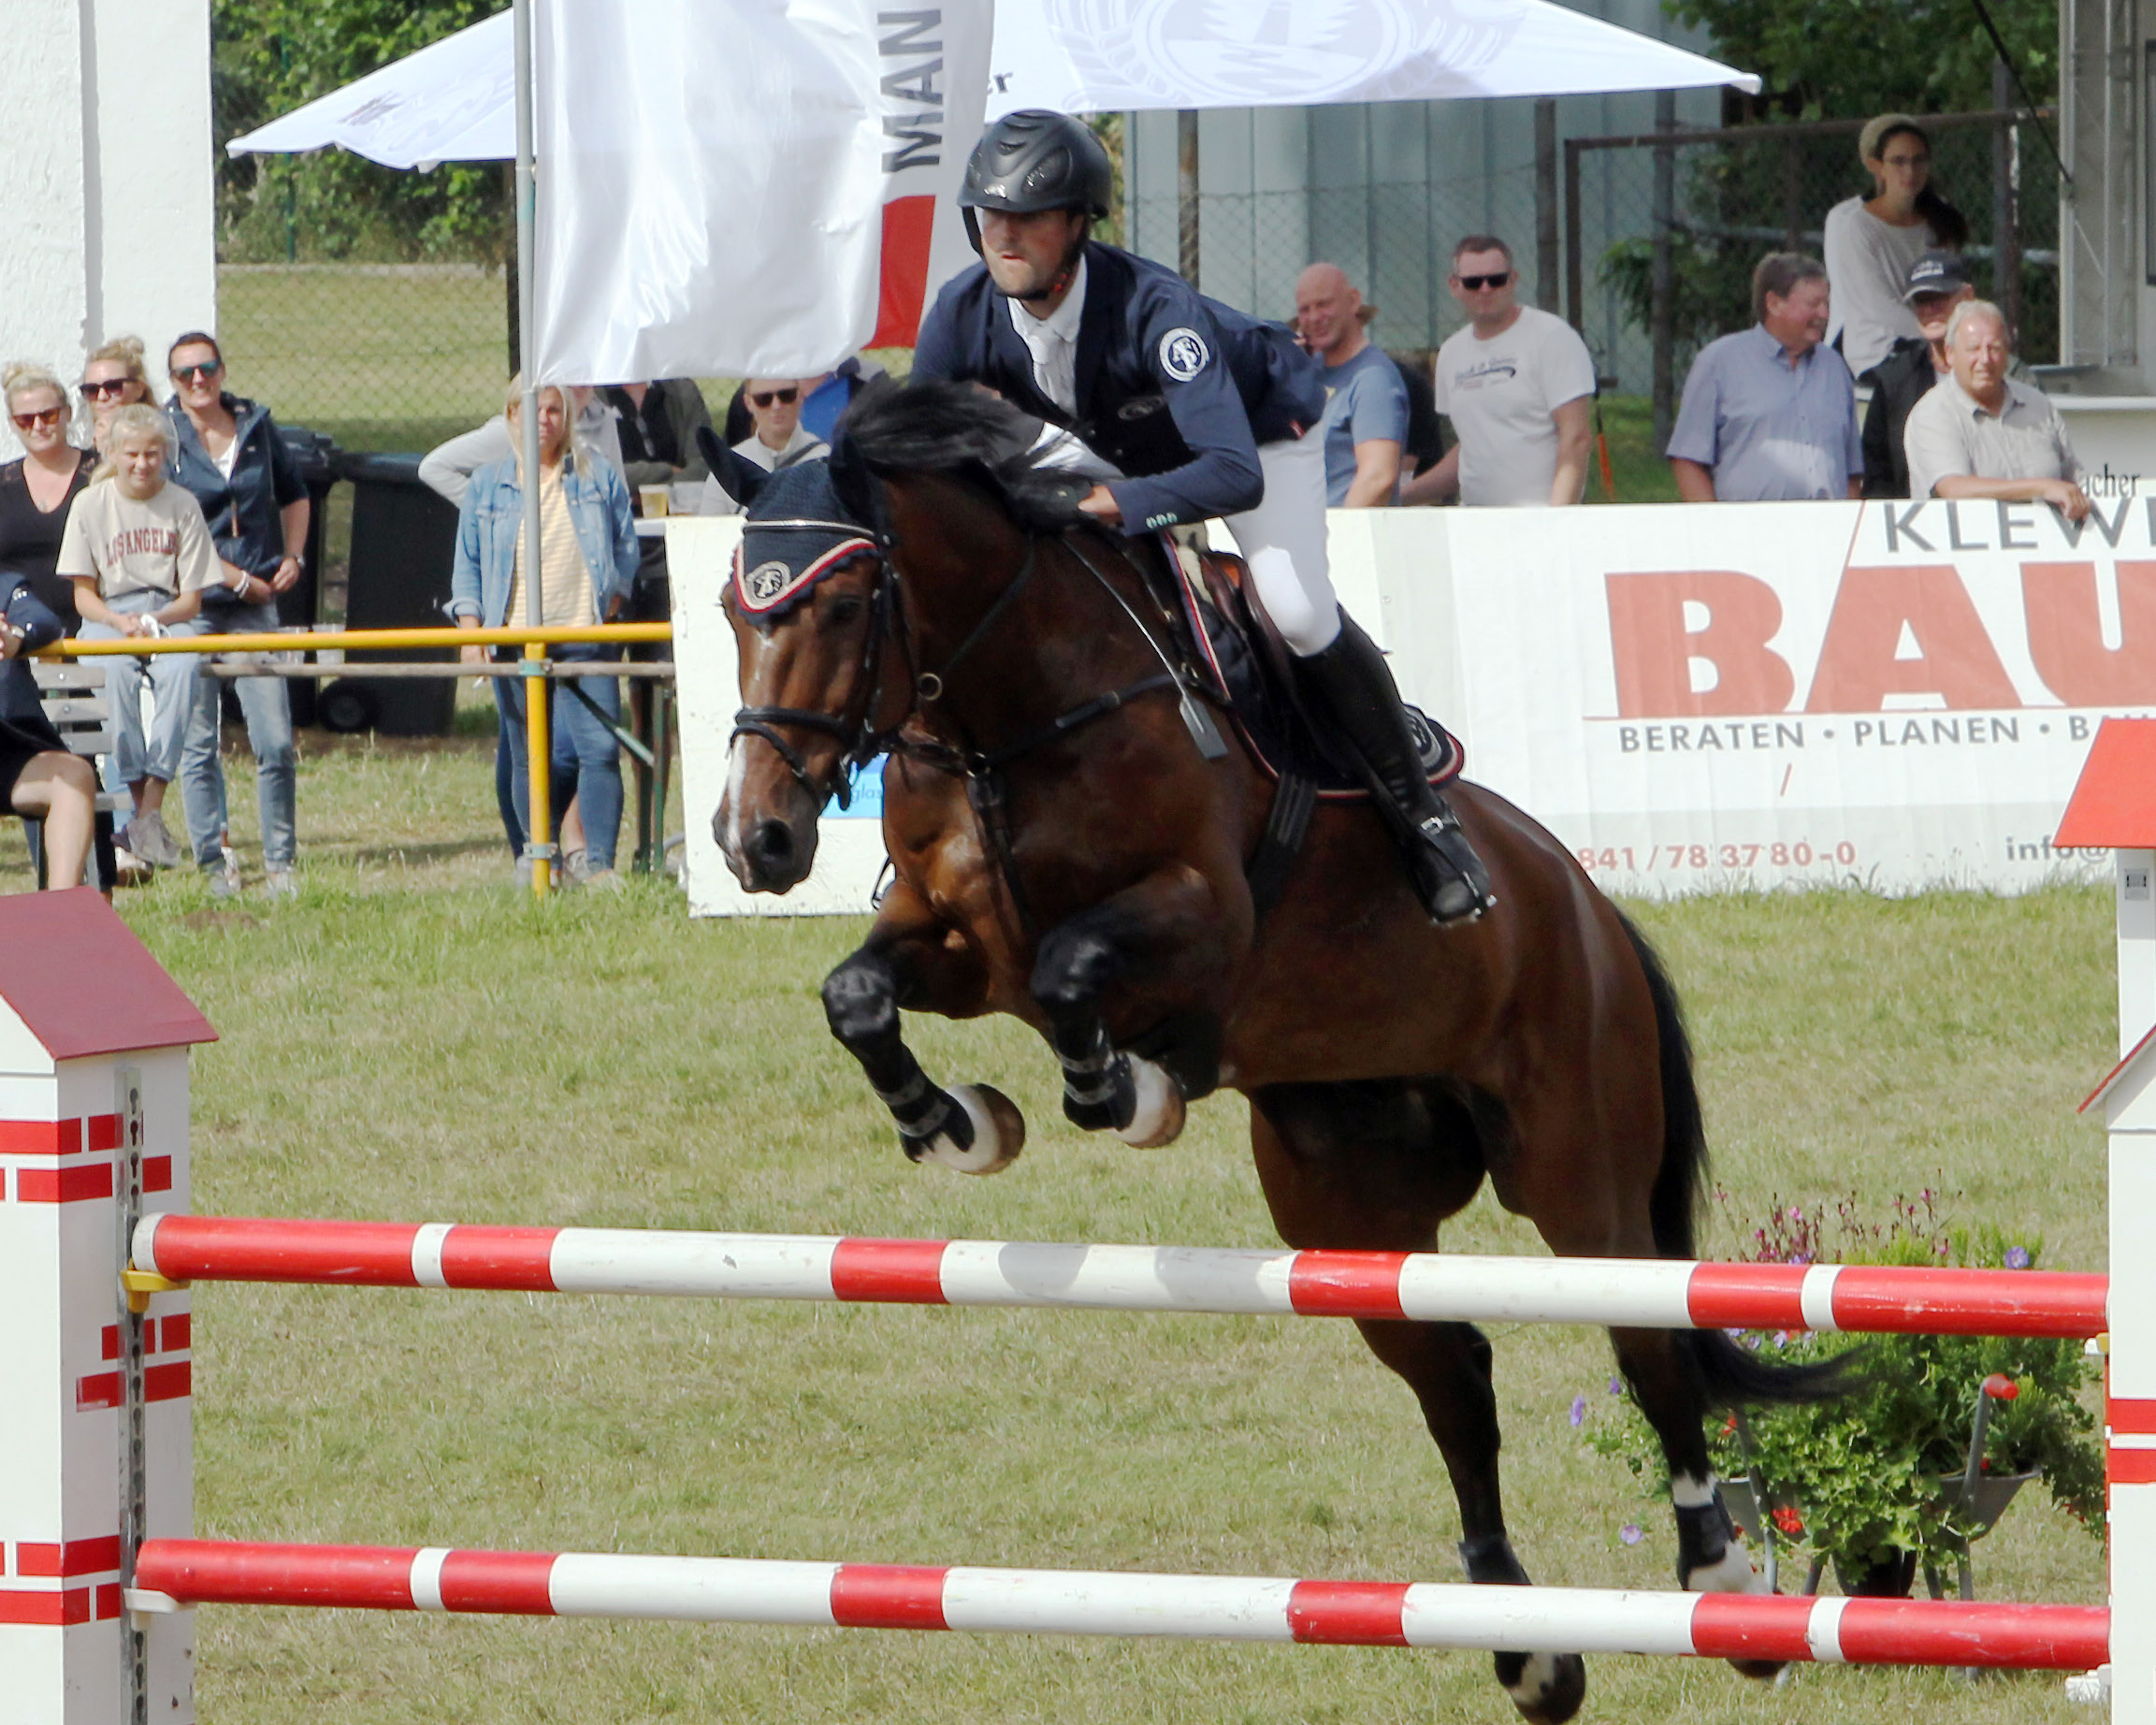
column 933, row 427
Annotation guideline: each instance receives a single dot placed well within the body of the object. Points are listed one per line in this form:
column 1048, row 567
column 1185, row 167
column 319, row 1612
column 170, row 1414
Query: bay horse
column 1061, row 851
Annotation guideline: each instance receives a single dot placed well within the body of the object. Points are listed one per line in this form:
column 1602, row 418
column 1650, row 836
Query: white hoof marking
column 1537, row 1678
column 1158, row 1115
column 987, row 1154
column 1732, row 1573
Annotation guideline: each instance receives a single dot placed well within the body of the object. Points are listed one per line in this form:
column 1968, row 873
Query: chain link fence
column 1663, row 230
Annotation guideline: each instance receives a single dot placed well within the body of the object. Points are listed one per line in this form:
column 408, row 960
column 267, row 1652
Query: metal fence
column 1662, row 229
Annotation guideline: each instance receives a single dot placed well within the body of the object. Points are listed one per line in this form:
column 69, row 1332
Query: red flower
column 1789, row 1521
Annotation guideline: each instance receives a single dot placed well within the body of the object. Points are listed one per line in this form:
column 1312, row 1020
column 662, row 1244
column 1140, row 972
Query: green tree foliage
column 271, row 56
column 1825, row 59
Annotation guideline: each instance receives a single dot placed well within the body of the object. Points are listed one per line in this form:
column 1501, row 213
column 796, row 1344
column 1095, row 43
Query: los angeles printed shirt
column 157, row 545
column 1503, row 397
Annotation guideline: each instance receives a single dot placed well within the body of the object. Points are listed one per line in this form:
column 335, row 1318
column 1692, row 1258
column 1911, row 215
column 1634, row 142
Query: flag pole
column 539, row 821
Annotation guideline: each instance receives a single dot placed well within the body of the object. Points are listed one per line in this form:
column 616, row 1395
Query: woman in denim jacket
column 226, row 450
column 589, row 553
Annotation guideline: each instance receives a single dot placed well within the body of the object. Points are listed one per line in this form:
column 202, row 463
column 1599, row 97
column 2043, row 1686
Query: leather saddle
column 1237, row 656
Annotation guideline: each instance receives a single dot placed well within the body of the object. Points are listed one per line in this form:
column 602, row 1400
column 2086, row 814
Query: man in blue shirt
column 1202, row 410
column 1366, row 419
column 1771, row 411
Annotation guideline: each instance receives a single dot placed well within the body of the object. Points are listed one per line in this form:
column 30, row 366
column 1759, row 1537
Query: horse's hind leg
column 1376, row 1166
column 909, row 960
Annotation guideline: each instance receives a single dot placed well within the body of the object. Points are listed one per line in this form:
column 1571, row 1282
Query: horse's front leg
column 912, row 960
column 1166, row 934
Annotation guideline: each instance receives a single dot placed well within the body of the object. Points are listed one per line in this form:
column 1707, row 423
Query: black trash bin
column 403, row 538
column 300, row 608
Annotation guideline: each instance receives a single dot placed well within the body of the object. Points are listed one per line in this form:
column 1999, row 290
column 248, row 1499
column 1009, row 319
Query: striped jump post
column 1360, row 1614
column 1642, row 1292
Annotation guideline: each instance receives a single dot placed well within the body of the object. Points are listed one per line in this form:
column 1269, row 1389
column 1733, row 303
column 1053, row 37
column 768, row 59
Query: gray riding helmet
column 1035, row 159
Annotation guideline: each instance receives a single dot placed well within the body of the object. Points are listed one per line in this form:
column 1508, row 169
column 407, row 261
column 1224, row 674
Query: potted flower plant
column 1871, row 1482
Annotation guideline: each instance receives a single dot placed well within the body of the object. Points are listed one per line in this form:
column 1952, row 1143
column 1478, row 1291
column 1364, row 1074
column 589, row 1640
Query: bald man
column 1365, row 418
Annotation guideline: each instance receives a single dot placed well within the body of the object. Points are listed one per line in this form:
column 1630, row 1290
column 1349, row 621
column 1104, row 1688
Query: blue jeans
column 269, row 714
column 587, row 761
column 137, row 756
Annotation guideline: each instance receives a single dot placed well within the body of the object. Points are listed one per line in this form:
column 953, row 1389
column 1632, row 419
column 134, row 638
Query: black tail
column 1730, row 1375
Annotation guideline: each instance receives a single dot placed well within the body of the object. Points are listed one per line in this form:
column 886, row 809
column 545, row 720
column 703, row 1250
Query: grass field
column 414, row 1039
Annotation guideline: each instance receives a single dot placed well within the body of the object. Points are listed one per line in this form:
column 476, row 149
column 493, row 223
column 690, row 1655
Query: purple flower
column 2017, row 1258
column 1616, row 1386
column 1579, row 1409
column 1630, row 1533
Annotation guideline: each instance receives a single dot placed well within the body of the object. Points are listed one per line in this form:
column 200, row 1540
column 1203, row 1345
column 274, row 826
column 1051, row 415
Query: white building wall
column 107, row 156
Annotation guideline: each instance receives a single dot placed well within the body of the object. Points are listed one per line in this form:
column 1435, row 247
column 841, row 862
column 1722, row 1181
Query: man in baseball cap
column 1937, row 282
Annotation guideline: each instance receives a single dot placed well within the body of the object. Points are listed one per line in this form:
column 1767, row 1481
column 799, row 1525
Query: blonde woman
column 37, row 491
column 139, row 551
column 112, row 378
column 587, row 543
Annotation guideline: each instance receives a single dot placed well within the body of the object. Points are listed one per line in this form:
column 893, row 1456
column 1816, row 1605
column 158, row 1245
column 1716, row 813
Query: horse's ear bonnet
column 796, row 532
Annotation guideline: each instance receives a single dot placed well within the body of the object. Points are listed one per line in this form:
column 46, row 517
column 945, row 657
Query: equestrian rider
column 1202, row 409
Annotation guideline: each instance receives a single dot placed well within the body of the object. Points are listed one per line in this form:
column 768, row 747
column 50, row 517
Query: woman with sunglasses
column 227, row 451
column 113, row 377
column 37, row 491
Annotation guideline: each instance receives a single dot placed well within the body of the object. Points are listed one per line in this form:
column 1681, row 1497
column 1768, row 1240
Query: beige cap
column 1876, row 128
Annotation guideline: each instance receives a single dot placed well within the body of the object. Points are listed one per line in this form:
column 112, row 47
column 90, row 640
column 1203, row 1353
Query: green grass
column 414, row 1039
column 1638, row 469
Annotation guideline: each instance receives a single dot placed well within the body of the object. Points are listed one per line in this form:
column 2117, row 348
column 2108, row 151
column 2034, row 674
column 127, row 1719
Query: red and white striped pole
column 1201, row 1607
column 1673, row 1294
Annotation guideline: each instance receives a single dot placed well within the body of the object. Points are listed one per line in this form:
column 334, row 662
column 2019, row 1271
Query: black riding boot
column 1352, row 678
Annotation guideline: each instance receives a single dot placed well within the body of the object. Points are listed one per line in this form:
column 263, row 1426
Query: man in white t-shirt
column 1519, row 388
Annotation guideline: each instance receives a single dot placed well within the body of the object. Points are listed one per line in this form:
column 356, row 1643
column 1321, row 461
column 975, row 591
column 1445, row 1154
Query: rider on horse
column 1202, row 410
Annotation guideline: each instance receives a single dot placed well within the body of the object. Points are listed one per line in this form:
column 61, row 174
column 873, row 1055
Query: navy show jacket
column 1176, row 389
column 242, row 512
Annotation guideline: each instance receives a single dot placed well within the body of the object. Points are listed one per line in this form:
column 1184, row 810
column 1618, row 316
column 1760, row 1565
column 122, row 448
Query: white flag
column 713, row 176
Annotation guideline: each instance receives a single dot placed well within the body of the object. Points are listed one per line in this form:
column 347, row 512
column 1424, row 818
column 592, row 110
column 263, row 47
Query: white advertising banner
column 1747, row 695
column 1894, row 695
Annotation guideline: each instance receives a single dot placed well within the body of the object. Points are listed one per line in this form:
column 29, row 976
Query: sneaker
column 282, row 883
column 128, row 870
column 573, row 869
column 601, row 880
column 148, row 839
column 223, row 882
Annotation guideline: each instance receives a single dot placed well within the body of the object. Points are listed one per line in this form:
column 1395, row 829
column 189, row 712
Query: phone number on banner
column 1778, row 854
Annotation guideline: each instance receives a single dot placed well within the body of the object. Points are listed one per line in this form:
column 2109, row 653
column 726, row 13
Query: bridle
column 854, row 724
column 860, row 739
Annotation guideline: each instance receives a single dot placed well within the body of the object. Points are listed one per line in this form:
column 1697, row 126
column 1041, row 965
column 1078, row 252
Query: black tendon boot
column 1353, row 680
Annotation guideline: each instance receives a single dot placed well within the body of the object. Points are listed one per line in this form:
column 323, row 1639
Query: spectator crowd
column 126, row 519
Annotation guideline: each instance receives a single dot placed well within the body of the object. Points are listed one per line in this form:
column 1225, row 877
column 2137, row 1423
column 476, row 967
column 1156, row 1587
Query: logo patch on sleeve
column 1183, row 355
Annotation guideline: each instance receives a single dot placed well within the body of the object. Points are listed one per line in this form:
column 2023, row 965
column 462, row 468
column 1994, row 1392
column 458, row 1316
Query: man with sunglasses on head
column 1197, row 409
column 1519, row 386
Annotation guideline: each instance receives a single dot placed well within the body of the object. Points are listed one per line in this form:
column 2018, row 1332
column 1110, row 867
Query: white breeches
column 1284, row 542
column 1283, row 539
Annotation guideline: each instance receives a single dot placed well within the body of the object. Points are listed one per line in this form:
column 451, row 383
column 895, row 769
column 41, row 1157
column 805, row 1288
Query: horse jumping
column 1063, row 852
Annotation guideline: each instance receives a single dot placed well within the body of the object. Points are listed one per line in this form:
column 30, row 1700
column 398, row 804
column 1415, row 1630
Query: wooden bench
column 72, row 691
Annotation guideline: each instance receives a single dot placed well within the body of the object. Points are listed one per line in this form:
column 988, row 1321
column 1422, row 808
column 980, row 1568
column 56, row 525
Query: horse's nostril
column 771, row 844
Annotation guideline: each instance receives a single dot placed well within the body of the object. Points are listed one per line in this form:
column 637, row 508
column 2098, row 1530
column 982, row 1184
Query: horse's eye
column 845, row 608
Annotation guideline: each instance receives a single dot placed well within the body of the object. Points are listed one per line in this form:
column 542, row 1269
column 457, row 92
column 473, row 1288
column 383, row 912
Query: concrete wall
column 112, row 215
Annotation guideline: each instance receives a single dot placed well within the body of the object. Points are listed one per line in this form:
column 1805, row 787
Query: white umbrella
column 456, row 100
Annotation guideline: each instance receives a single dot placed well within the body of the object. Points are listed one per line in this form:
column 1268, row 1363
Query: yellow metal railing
column 539, row 840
